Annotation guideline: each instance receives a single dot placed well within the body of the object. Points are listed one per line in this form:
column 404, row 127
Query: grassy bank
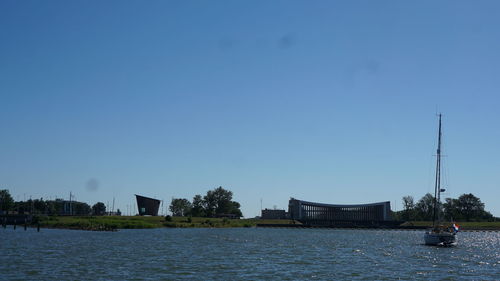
column 463, row 225
column 137, row 222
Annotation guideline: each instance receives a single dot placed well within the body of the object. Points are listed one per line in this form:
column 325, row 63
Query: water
column 243, row 254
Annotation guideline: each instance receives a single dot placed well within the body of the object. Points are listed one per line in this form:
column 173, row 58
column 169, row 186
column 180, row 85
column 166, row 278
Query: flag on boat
column 455, row 227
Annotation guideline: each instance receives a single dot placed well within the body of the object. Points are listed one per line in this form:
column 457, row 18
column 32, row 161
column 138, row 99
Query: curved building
column 320, row 214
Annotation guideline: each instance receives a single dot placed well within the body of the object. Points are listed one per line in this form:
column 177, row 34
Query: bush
column 168, row 218
column 170, row 224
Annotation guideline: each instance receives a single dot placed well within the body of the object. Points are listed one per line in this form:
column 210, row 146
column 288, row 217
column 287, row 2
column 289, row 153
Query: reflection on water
column 243, row 254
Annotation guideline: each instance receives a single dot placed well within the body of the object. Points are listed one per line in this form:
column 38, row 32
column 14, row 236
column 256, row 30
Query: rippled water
column 243, row 253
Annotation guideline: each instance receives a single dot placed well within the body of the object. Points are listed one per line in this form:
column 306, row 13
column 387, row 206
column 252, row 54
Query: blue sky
column 328, row 101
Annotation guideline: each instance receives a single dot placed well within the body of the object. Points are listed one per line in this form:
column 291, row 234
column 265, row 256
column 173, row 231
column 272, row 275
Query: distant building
column 269, row 214
column 147, row 206
column 67, row 209
column 313, row 213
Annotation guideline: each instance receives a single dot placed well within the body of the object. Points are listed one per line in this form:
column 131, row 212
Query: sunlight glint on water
column 243, row 254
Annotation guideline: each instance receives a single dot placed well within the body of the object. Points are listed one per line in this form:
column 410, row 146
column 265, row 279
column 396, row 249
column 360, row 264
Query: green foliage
column 99, row 209
column 100, row 222
column 52, row 207
column 180, row 207
column 425, row 207
column 409, row 208
column 80, row 208
column 168, row 218
column 218, row 202
column 466, row 208
column 463, row 225
column 235, row 209
column 6, row 200
column 197, row 209
column 170, row 224
column 138, row 222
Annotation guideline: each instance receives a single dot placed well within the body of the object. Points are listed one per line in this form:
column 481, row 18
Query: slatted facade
column 329, row 214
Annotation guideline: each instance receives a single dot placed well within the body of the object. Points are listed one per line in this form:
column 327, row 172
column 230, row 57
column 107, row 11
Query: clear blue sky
column 328, row 101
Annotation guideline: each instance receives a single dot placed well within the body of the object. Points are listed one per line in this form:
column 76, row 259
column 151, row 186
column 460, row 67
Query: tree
column 39, row 206
column 470, row 206
column 409, row 206
column 197, row 209
column 52, row 207
column 99, row 209
column 424, row 209
column 180, row 207
column 467, row 207
column 80, row 208
column 218, row 201
column 450, row 209
column 6, row 201
column 235, row 209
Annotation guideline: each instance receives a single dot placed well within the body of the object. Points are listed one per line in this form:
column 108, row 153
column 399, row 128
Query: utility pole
column 70, row 207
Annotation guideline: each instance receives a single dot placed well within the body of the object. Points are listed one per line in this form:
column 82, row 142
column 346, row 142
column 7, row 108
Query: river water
column 243, row 254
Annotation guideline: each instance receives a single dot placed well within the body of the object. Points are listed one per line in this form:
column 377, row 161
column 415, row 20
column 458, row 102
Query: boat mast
column 437, row 185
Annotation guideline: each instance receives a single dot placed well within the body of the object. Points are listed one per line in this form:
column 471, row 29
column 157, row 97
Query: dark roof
column 147, row 197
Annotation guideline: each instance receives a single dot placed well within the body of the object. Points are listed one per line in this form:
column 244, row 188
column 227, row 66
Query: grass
column 463, row 225
column 138, row 222
column 101, row 222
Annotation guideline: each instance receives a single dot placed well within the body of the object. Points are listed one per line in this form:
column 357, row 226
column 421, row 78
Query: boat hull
column 440, row 239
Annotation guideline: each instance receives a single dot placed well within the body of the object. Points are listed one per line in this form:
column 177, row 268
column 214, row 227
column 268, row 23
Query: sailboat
column 439, row 235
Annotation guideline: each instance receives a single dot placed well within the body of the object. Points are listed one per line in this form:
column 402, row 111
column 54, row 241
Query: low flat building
column 273, row 214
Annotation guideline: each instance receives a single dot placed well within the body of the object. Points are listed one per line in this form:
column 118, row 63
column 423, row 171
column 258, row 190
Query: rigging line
column 447, row 177
column 430, row 176
column 445, row 168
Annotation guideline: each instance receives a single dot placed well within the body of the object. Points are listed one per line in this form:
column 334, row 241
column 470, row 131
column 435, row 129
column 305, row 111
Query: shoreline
column 113, row 223
column 21, row 228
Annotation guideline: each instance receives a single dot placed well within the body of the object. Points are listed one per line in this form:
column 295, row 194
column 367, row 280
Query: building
column 269, row 214
column 311, row 213
column 147, row 206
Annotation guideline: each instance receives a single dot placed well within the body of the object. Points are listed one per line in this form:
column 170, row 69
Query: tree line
column 48, row 207
column 466, row 207
column 217, row 202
